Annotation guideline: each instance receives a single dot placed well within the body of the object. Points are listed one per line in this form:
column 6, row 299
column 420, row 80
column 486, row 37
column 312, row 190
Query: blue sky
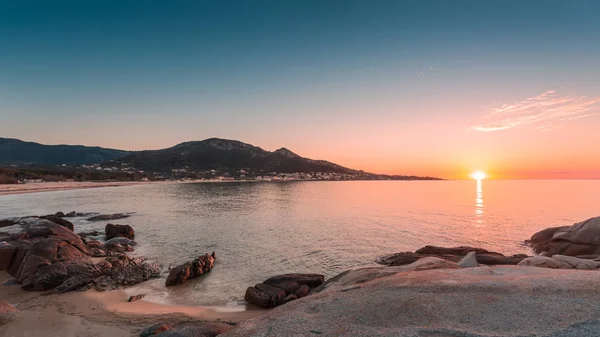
column 350, row 81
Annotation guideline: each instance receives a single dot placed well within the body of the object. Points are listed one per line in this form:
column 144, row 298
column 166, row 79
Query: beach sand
column 7, row 189
column 100, row 314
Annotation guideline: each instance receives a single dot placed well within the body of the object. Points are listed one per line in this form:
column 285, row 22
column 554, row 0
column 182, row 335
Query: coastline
column 11, row 189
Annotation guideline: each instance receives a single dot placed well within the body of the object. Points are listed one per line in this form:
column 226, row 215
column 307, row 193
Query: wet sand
column 101, row 314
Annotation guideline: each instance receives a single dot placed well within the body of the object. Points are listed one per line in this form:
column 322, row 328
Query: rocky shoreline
column 43, row 253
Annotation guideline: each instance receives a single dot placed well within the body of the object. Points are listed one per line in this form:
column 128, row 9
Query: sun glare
column 478, row 175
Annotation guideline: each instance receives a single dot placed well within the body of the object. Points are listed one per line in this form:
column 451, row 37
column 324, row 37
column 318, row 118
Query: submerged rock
column 191, row 269
column 105, row 217
column 113, row 231
column 120, row 244
column 281, row 289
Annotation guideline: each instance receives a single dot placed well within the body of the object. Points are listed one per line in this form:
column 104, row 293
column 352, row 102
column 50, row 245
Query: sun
column 478, row 175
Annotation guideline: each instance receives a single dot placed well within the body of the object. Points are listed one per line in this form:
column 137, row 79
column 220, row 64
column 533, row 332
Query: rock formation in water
column 281, row 289
column 191, row 269
column 113, row 231
column 454, row 254
column 107, row 217
column 579, row 239
column 43, row 253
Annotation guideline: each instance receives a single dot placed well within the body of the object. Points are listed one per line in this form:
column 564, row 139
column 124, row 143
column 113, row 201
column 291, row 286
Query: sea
column 261, row 229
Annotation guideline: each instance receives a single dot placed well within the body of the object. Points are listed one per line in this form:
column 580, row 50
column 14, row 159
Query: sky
column 438, row 88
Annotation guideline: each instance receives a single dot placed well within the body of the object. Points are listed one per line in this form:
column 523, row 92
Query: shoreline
column 14, row 189
column 100, row 313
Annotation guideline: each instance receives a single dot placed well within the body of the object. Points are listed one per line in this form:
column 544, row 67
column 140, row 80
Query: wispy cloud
column 541, row 112
column 424, row 72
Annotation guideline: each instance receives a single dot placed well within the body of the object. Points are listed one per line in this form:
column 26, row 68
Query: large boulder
column 281, row 289
column 113, row 231
column 191, row 269
column 106, row 217
column 582, row 238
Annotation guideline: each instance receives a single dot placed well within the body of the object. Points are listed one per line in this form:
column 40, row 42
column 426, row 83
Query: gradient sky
column 437, row 88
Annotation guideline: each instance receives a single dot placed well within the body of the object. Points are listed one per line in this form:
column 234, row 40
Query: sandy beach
column 7, row 189
column 101, row 314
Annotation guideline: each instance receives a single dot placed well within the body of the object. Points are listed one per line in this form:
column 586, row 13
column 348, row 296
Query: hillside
column 227, row 155
column 18, row 152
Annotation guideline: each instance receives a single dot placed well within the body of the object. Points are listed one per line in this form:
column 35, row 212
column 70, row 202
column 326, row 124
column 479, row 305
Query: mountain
column 227, row 155
column 14, row 151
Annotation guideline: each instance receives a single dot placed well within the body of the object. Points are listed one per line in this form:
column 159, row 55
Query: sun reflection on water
column 479, row 202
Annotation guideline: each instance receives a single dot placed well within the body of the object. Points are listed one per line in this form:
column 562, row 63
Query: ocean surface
column 262, row 229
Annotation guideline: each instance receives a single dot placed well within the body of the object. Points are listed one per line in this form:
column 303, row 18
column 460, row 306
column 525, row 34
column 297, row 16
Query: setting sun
column 478, row 175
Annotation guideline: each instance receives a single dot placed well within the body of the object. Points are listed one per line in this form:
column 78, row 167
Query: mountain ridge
column 227, row 154
column 18, row 152
column 212, row 154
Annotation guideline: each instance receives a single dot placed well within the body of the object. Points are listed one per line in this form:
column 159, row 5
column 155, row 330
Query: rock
column 544, row 262
column 120, row 244
column 91, row 233
column 60, row 214
column 577, row 263
column 45, row 277
column 179, row 274
column 461, row 250
column 155, row 329
column 8, row 222
column 8, row 312
column 113, row 231
column 10, row 282
column 582, row 238
column 94, row 243
column 71, row 214
column 198, row 330
column 42, row 255
column 506, row 301
column 105, row 217
column 191, row 269
column 59, row 221
column 302, row 291
column 7, row 252
column 273, row 291
column 125, row 270
column 136, row 297
column 469, row 261
column 454, row 254
column 289, row 298
column 311, row 280
column 265, row 296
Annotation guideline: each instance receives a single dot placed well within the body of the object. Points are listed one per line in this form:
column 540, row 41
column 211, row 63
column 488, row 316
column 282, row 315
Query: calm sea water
column 263, row 229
